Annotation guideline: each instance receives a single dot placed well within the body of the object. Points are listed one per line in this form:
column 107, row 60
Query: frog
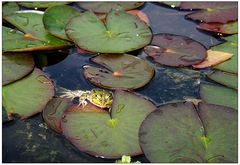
column 98, row 97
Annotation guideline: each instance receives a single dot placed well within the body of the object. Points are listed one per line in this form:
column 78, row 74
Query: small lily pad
column 228, row 28
column 55, row 21
column 121, row 33
column 178, row 132
column 41, row 4
column 221, row 12
column 29, row 95
column 16, row 66
column 174, row 50
column 122, row 71
column 225, row 78
column 219, row 95
column 9, row 8
column 96, row 132
column 105, row 7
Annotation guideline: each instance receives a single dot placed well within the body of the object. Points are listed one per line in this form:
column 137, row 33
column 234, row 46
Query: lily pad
column 9, row 8
column 221, row 12
column 105, row 7
column 55, row 21
column 228, row 28
column 122, row 32
column 30, row 22
column 41, row 4
column 16, row 66
column 225, row 78
column 52, row 114
column 174, row 50
column 215, row 94
column 101, row 134
column 122, row 71
column 231, row 46
column 29, row 95
column 178, row 133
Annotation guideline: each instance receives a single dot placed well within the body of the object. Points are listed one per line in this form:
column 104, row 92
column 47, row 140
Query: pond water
column 32, row 141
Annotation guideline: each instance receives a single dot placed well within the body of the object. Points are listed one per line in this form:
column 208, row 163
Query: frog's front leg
column 83, row 99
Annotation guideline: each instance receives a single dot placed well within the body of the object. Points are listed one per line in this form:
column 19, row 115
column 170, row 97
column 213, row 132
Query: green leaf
column 29, row 95
column 121, row 33
column 122, row 71
column 176, row 132
column 41, row 4
column 215, row 94
column 55, row 20
column 16, row 66
column 174, row 50
column 96, row 132
column 9, row 8
column 105, row 7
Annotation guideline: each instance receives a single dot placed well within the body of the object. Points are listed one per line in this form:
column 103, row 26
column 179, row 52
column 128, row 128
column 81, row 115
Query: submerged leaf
column 9, row 8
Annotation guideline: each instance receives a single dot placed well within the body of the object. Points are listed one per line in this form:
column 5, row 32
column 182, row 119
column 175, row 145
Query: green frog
column 99, row 97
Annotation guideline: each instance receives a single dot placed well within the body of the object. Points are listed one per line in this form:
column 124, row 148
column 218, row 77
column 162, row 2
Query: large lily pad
column 221, row 12
column 122, row 71
column 122, row 32
column 41, row 4
column 99, row 133
column 215, row 94
column 225, row 78
column 55, row 20
column 105, row 7
column 174, row 50
column 9, row 8
column 177, row 133
column 231, row 46
column 29, row 95
column 16, row 66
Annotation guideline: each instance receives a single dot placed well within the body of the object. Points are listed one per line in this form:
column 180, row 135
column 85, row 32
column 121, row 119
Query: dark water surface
column 32, row 141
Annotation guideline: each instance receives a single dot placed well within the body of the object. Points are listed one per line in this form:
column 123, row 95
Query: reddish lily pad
column 174, row 50
column 55, row 21
column 101, row 134
column 178, row 132
column 122, row 71
column 52, row 114
column 105, row 7
column 41, row 4
column 220, row 95
column 221, row 12
column 121, row 33
column 29, row 95
column 228, row 28
column 16, row 66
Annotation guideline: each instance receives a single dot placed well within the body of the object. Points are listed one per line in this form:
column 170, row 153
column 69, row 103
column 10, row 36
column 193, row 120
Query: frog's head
column 101, row 98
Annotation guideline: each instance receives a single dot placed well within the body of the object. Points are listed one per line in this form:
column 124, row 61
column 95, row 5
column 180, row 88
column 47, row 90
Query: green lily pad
column 228, row 28
column 99, row 133
column 214, row 94
column 52, row 114
column 178, row 133
column 225, row 78
column 121, row 33
column 174, row 50
column 5, row 117
column 105, row 7
column 55, row 21
column 231, row 46
column 29, row 95
column 16, row 66
column 221, row 12
column 41, row 4
column 9, row 8
column 30, row 22
column 122, row 71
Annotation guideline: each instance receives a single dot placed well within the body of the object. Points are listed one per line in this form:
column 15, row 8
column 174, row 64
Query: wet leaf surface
column 99, row 133
column 219, row 95
column 105, row 7
column 16, row 66
column 174, row 50
column 9, row 8
column 41, row 4
column 221, row 12
column 29, row 95
column 55, row 21
column 122, row 71
column 121, row 33
column 189, row 136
